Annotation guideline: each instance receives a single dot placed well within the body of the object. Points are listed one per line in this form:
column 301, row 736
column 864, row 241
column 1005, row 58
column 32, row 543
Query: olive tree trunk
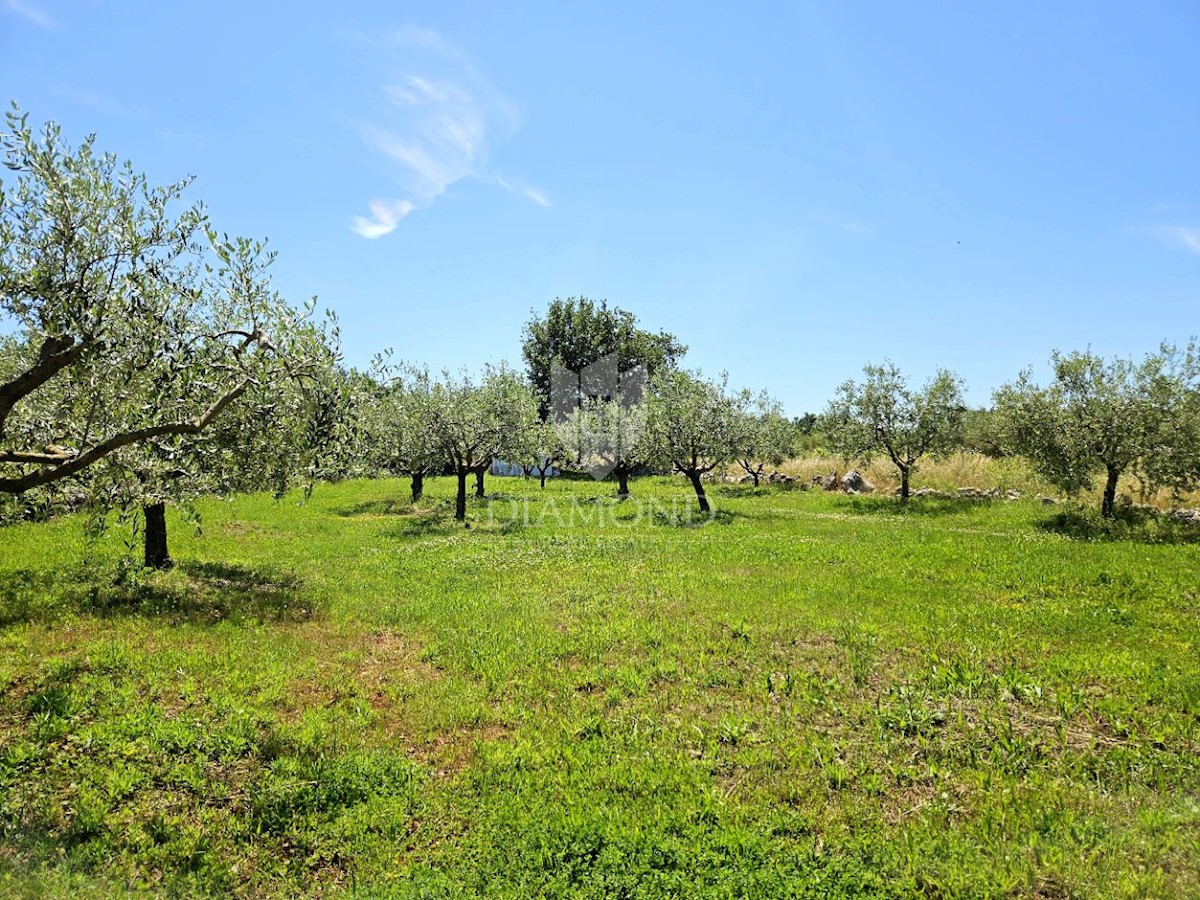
column 479, row 492
column 622, row 482
column 694, row 477
column 905, row 473
column 418, row 485
column 156, row 555
column 1110, row 492
column 460, row 498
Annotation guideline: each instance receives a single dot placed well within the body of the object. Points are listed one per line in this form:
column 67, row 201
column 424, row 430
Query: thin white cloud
column 852, row 225
column 525, row 190
column 436, row 121
column 536, row 196
column 1185, row 236
column 26, row 11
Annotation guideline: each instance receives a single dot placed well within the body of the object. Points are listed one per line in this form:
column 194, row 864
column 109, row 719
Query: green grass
column 808, row 695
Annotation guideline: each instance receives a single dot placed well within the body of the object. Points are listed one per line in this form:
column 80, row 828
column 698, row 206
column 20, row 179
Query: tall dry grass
column 974, row 470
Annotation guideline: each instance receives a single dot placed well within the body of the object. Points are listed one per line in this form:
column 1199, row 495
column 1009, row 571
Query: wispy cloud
column 525, row 190
column 1185, row 236
column 852, row 225
column 385, row 216
column 30, row 12
column 436, row 121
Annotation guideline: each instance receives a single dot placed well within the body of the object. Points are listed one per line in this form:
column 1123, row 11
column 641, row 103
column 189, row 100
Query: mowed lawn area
column 809, row 695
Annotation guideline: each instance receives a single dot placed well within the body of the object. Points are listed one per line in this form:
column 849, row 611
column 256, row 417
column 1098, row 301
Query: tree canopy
column 578, row 332
column 401, row 431
column 607, row 436
column 1107, row 417
column 884, row 415
column 131, row 325
column 478, row 420
column 765, row 436
column 693, row 425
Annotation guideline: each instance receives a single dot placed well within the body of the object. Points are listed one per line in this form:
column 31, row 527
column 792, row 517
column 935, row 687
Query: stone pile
column 966, row 493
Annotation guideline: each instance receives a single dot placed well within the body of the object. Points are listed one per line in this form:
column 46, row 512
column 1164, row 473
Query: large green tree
column 884, row 415
column 133, row 327
column 577, row 332
column 1107, row 417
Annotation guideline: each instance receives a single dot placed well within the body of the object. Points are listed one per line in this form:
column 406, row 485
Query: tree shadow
column 1138, row 526
column 888, row 506
column 29, row 595
column 193, row 592
column 375, row 508
column 423, row 523
column 766, row 489
column 690, row 516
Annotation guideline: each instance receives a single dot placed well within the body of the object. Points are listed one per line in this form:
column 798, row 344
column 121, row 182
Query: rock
column 746, row 479
column 1012, row 494
column 1047, row 501
column 780, row 478
column 929, row 492
column 974, row 493
column 854, row 483
column 831, row 482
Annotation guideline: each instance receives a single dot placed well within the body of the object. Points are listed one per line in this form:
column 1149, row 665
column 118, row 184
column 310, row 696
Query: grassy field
column 809, row 695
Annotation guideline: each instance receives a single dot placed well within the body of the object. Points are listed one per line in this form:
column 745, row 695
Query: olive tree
column 607, row 436
column 1107, row 417
column 692, row 425
column 1174, row 462
column 133, row 328
column 538, row 448
column 281, row 433
column 884, row 415
column 480, row 420
column 765, row 435
column 403, row 420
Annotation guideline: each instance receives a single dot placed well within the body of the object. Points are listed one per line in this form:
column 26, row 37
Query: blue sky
column 794, row 189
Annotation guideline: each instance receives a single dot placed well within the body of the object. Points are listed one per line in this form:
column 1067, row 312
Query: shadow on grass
column 692, row 517
column 424, row 523
column 27, row 595
column 749, row 490
column 1131, row 525
column 916, row 506
column 375, row 508
column 194, row 592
